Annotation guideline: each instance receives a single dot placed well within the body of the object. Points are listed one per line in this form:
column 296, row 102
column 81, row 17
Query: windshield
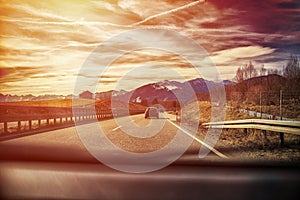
column 139, row 86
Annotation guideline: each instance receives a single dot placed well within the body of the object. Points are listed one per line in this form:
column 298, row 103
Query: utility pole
column 260, row 108
column 281, row 135
column 280, row 105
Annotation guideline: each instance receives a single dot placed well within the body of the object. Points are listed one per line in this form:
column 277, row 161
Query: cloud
column 149, row 56
column 48, row 41
column 19, row 73
column 267, row 16
column 230, row 56
column 161, row 14
column 291, row 5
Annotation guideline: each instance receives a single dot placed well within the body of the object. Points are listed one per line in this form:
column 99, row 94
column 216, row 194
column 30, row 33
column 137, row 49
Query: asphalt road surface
column 56, row 165
column 64, row 145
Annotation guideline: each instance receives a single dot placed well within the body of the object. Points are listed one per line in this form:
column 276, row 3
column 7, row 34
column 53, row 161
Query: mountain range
column 169, row 90
column 161, row 91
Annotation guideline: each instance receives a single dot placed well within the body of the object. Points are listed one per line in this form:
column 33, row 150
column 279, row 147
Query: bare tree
column 245, row 72
column 274, row 71
column 250, row 70
column 292, row 73
column 239, row 75
column 262, row 71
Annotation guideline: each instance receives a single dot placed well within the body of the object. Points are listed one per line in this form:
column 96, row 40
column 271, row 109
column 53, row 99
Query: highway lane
column 56, row 165
column 64, row 145
column 135, row 144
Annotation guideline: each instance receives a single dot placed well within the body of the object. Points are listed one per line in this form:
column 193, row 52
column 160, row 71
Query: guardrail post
column 19, row 126
column 264, row 133
column 30, row 124
column 39, row 122
column 5, row 128
column 281, row 136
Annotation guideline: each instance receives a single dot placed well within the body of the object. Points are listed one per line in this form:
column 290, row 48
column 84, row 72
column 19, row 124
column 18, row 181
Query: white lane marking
column 200, row 141
column 119, row 126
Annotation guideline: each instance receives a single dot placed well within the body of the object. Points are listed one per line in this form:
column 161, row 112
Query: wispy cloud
column 19, row 73
column 230, row 56
column 169, row 12
column 47, row 42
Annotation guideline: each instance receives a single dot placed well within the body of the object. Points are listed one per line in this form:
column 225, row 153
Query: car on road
column 152, row 112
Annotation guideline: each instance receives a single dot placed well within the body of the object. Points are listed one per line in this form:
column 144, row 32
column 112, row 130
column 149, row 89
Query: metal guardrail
column 59, row 115
column 253, row 113
column 290, row 127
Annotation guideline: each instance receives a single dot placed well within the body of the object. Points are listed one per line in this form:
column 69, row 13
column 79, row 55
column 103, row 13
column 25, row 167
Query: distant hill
column 168, row 91
column 163, row 91
column 250, row 90
column 273, row 82
column 228, row 82
column 51, row 103
column 30, row 97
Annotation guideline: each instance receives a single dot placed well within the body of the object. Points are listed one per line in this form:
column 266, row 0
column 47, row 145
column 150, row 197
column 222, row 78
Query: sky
column 45, row 44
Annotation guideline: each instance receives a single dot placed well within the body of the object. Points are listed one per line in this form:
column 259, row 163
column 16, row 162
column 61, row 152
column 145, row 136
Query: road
column 56, row 165
column 64, row 145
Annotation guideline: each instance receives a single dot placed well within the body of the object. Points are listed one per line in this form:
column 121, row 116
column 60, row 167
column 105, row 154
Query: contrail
column 67, row 22
column 168, row 12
